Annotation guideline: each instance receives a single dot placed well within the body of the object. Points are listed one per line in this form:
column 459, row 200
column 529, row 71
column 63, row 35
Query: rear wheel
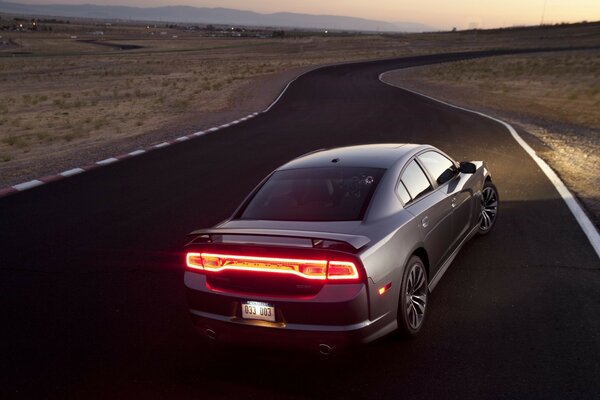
column 412, row 306
column 488, row 208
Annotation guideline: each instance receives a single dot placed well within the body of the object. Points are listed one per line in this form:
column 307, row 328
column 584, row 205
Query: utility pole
column 543, row 12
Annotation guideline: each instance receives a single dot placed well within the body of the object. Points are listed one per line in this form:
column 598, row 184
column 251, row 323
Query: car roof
column 369, row 155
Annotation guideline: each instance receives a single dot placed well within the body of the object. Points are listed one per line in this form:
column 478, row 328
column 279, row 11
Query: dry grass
column 561, row 87
column 60, row 95
column 554, row 96
column 56, row 102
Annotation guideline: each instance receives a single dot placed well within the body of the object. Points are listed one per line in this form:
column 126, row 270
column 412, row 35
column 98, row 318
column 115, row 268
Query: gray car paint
column 390, row 231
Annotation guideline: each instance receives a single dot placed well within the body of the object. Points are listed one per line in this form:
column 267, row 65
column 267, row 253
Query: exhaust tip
column 325, row 349
column 211, row 334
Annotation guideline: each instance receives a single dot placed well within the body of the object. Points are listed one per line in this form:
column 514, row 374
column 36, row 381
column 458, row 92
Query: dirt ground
column 553, row 98
column 64, row 109
column 70, row 98
column 252, row 96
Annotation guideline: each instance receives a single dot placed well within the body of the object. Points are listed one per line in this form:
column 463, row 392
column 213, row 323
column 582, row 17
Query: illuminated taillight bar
column 309, row 269
column 342, row 270
column 194, row 260
column 304, row 268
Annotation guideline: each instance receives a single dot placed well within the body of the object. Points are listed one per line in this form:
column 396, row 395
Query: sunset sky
column 436, row 13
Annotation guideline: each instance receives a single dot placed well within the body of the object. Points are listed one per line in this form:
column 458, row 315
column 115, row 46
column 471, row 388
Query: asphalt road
column 92, row 298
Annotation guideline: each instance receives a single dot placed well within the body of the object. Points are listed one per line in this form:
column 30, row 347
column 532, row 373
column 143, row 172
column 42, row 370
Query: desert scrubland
column 555, row 97
column 62, row 98
column 71, row 95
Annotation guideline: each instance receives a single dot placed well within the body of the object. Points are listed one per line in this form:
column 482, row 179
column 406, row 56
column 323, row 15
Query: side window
column 415, row 181
column 403, row 193
column 440, row 167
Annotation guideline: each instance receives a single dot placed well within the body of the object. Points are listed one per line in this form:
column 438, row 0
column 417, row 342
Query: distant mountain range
column 203, row 15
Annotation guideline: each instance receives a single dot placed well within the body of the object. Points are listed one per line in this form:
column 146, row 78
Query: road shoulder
column 569, row 150
column 255, row 96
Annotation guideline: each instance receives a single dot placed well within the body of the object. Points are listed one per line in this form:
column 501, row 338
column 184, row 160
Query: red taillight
column 342, row 270
column 194, row 260
column 305, row 268
column 309, row 269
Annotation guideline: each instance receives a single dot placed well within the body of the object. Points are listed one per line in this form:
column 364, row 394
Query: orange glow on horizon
column 437, row 14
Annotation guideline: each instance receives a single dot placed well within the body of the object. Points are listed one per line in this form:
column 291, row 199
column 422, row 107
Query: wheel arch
column 401, row 319
column 422, row 254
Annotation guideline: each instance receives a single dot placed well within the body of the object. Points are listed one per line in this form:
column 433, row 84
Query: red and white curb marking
column 75, row 171
column 37, row 182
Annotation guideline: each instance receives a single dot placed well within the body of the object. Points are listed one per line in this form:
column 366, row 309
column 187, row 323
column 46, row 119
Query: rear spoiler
column 356, row 241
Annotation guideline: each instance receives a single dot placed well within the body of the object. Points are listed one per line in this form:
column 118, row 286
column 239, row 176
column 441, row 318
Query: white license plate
column 258, row 310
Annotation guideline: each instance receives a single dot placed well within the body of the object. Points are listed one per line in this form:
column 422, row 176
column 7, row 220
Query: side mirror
column 467, row 167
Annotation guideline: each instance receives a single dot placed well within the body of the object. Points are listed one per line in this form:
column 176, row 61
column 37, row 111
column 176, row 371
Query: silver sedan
column 338, row 246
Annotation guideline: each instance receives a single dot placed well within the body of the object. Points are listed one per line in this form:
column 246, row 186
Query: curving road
column 91, row 291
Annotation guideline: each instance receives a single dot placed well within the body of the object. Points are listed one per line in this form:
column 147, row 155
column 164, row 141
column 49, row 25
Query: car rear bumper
column 337, row 316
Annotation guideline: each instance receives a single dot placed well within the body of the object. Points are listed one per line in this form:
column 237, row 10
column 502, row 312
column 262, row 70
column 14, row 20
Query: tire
column 414, row 292
column 488, row 212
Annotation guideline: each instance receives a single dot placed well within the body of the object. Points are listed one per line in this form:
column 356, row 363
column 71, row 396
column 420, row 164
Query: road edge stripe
column 580, row 216
column 27, row 185
column 71, row 172
column 50, row 178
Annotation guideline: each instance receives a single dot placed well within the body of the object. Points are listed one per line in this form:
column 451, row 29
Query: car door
column 432, row 211
column 444, row 173
column 462, row 216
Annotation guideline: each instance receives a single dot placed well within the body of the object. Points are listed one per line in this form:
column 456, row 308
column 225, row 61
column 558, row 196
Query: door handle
column 453, row 202
column 425, row 221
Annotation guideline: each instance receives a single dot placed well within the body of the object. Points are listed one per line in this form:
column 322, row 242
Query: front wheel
column 488, row 208
column 412, row 306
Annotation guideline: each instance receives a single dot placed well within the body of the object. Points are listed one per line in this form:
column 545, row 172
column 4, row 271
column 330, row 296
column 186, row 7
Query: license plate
column 258, row 310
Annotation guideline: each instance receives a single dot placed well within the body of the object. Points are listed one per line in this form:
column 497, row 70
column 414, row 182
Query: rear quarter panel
column 384, row 263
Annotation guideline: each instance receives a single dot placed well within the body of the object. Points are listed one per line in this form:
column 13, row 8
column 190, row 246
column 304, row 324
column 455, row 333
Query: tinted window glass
column 440, row 168
column 415, row 180
column 315, row 194
column 403, row 193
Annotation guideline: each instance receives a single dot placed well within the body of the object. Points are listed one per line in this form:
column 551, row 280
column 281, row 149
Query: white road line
column 107, row 161
column 224, row 126
column 282, row 93
column 315, row 69
column 182, row 138
column 199, row 133
column 584, row 222
column 292, row 81
column 72, row 172
column 27, row 185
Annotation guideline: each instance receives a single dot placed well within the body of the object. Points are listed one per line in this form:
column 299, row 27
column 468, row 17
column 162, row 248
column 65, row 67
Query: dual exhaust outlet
column 324, row 349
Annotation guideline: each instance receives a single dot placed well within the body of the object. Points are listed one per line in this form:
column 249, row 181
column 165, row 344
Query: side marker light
column 384, row 289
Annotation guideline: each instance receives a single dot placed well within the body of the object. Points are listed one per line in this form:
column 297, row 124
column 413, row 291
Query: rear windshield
column 315, row 194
